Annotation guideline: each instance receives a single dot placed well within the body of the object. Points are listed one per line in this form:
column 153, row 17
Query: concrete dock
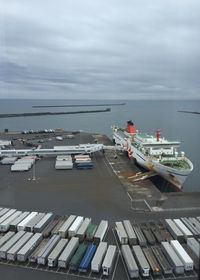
column 101, row 193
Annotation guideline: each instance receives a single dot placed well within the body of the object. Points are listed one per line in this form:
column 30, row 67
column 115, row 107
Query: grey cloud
column 93, row 49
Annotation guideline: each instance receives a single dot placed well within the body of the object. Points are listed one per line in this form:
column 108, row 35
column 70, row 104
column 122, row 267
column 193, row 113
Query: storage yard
column 93, row 223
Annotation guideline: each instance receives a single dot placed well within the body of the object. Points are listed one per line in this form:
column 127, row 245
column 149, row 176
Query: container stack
column 83, row 162
column 23, row 164
column 8, row 160
column 64, row 162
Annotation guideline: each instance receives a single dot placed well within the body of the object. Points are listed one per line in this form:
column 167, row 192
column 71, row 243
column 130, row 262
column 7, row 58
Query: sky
column 106, row 49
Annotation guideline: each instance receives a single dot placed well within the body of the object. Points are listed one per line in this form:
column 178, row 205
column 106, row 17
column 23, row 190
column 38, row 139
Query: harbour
column 104, row 192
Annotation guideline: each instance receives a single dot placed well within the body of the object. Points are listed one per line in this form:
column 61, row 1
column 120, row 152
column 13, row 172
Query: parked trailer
column 68, row 252
column 194, row 245
column 101, row 231
column 7, row 215
column 33, row 256
column 83, row 228
column 186, row 232
column 43, row 255
column 140, row 236
column 5, row 225
column 75, row 226
column 30, row 225
column 131, row 265
column 64, row 229
column 196, row 224
column 49, row 228
column 121, row 233
column 4, row 211
column 56, row 229
column 164, row 231
column 154, row 265
column 172, row 257
column 183, row 255
column 98, row 257
column 43, row 222
column 29, row 247
column 86, row 261
column 22, row 224
column 14, row 223
column 141, row 261
column 148, row 235
column 108, row 261
column 192, row 255
column 132, row 239
column 91, row 232
column 12, row 252
column 174, row 230
column 163, row 262
column 76, row 259
column 53, row 257
column 190, row 226
column 6, row 237
column 156, row 231
column 10, row 243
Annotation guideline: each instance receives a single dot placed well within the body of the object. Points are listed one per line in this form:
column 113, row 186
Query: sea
column 147, row 115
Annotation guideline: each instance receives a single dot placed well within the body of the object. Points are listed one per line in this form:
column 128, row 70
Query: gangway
column 59, row 150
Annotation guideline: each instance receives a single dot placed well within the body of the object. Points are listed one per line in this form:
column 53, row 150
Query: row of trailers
column 144, row 253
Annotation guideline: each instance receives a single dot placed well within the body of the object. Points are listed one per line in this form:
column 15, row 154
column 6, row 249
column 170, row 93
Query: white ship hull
column 175, row 176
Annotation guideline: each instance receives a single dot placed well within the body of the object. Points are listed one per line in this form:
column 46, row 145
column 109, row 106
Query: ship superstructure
column 154, row 152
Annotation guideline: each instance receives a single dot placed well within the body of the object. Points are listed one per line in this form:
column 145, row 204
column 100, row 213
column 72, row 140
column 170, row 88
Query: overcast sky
column 114, row 49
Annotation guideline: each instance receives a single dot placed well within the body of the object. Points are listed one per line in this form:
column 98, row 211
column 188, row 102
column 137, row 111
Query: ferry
column 154, row 153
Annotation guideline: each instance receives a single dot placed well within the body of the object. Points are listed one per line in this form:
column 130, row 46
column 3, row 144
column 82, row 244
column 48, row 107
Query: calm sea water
column 147, row 116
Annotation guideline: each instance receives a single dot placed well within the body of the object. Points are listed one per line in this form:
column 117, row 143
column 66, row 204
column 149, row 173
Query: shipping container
column 154, row 265
column 33, row 256
column 10, row 243
column 196, row 224
column 192, row 255
column 174, row 230
column 54, row 255
column 64, row 228
column 91, row 232
column 6, row 237
column 157, row 233
column 121, row 233
column 172, row 257
column 22, row 224
column 83, row 228
column 183, row 255
column 130, row 262
column 186, row 232
column 47, row 231
column 5, row 225
column 43, row 222
column 68, row 252
column 140, row 236
column 163, row 262
column 108, row 262
column 43, row 255
column 101, row 231
column 98, row 257
column 86, row 261
column 12, row 252
column 14, row 223
column 77, row 257
column 30, row 225
column 7, row 215
column 29, row 247
column 132, row 239
column 194, row 246
column 142, row 263
column 75, row 226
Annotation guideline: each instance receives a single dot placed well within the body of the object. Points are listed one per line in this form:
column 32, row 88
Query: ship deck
column 101, row 193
